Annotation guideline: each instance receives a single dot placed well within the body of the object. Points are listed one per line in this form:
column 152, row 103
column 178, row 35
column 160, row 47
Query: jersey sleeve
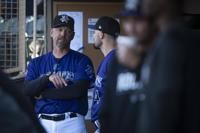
column 85, row 70
column 31, row 72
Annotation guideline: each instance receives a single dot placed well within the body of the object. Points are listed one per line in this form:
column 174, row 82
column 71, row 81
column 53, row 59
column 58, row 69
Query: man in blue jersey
column 107, row 30
column 59, row 81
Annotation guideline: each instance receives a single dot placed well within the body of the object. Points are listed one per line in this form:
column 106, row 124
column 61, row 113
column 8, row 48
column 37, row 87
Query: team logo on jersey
column 98, row 81
column 127, row 81
column 67, row 75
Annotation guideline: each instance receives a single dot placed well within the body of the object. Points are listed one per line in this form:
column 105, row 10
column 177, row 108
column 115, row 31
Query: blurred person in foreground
column 123, row 95
column 170, row 73
column 16, row 113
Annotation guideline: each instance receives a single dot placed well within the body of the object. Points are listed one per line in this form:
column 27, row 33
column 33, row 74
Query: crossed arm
column 62, row 90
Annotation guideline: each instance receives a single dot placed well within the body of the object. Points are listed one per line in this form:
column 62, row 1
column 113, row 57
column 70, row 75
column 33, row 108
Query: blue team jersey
column 100, row 85
column 72, row 66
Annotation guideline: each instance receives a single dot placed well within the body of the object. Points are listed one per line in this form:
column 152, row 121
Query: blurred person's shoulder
column 10, row 116
column 181, row 33
column 175, row 37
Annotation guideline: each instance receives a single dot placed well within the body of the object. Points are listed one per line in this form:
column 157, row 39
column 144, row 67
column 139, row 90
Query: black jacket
column 122, row 100
column 17, row 105
column 172, row 101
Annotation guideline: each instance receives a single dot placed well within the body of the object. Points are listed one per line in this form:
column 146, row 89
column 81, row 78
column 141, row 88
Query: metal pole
column 45, row 27
column 34, row 26
column 22, row 28
column 48, row 23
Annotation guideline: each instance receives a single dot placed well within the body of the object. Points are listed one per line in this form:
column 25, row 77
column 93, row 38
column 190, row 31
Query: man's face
column 97, row 39
column 138, row 28
column 62, row 36
column 135, row 26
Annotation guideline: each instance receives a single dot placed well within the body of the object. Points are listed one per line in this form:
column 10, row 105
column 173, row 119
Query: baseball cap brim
column 59, row 25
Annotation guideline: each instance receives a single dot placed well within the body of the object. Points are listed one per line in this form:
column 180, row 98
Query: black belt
column 59, row 117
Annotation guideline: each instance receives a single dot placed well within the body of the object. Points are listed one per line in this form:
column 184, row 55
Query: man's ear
column 101, row 35
column 51, row 33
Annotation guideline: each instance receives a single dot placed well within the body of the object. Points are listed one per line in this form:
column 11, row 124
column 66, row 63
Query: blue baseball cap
column 132, row 8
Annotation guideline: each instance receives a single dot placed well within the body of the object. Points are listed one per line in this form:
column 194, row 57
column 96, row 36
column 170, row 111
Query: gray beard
column 63, row 46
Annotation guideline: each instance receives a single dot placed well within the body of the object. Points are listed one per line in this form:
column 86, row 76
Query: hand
column 57, row 81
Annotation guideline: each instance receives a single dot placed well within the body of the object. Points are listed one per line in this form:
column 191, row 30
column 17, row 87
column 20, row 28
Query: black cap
column 132, row 8
column 63, row 20
column 108, row 25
